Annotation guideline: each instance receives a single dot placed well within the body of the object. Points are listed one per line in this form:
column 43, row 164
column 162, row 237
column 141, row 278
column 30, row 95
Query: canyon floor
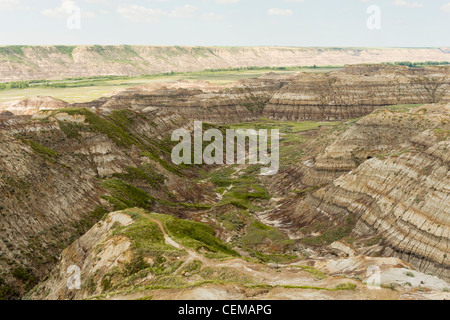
column 358, row 210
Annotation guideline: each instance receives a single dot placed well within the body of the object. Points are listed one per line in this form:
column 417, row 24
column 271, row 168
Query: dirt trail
column 192, row 255
column 258, row 271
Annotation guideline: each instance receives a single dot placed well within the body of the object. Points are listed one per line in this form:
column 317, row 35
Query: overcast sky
column 335, row 23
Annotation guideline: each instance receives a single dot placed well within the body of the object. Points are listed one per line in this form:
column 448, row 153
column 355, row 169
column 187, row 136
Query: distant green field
column 88, row 89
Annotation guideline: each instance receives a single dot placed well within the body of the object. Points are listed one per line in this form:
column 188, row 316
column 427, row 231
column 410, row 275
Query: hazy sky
column 404, row 23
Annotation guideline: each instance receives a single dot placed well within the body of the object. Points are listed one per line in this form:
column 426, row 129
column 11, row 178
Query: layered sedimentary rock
column 356, row 91
column 351, row 93
column 241, row 101
column 374, row 186
column 397, row 189
column 106, row 261
column 59, row 62
column 33, row 105
column 52, row 169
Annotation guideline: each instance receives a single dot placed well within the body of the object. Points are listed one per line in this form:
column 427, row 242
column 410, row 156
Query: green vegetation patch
column 7, row 292
column 272, row 258
column 45, row 152
column 222, row 178
column 145, row 234
column 242, row 195
column 145, row 173
column 257, row 233
column 193, row 266
column 400, row 108
column 90, row 219
column 26, row 276
column 197, row 236
column 123, row 195
column 117, row 128
column 443, row 134
column 317, row 273
column 333, row 234
column 99, row 124
column 71, row 129
column 12, row 50
column 66, row 50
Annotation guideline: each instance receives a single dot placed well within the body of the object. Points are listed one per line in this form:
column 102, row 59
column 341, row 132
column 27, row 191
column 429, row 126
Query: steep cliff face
column 395, row 194
column 351, row 93
column 241, row 101
column 357, row 91
column 61, row 171
column 57, row 62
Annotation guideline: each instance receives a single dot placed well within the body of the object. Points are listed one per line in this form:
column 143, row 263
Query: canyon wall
column 384, row 181
column 379, row 183
column 350, row 93
column 60, row 172
column 59, row 62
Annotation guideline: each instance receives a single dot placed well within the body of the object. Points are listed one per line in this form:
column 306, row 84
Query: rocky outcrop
column 53, row 170
column 201, row 101
column 114, row 251
column 396, row 190
column 357, row 91
column 59, row 62
column 351, row 93
column 132, row 255
column 33, row 105
column 375, row 186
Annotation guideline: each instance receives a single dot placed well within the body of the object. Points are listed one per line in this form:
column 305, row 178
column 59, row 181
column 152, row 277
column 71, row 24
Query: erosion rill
column 374, row 185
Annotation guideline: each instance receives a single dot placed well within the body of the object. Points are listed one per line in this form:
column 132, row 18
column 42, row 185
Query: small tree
column 431, row 89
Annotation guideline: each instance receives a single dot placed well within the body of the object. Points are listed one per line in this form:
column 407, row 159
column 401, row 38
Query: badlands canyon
column 363, row 188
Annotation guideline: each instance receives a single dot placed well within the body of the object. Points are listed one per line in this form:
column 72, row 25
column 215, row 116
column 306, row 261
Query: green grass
column 240, row 191
column 66, row 50
column 317, row 273
column 339, row 287
column 71, row 129
column 26, row 277
column 196, row 236
column 145, row 234
column 243, row 194
column 222, row 178
column 257, row 233
column 90, row 88
column 410, row 274
column 89, row 220
column 145, row 173
column 193, row 266
column 333, row 234
column 292, row 136
column 307, row 190
column 45, row 152
column 401, row 108
column 7, row 292
column 123, row 195
column 99, row 124
column 12, row 50
column 167, row 165
column 442, row 134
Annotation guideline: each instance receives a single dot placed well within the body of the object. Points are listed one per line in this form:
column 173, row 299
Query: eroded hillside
column 363, row 181
column 137, row 255
column 63, row 170
column 18, row 63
